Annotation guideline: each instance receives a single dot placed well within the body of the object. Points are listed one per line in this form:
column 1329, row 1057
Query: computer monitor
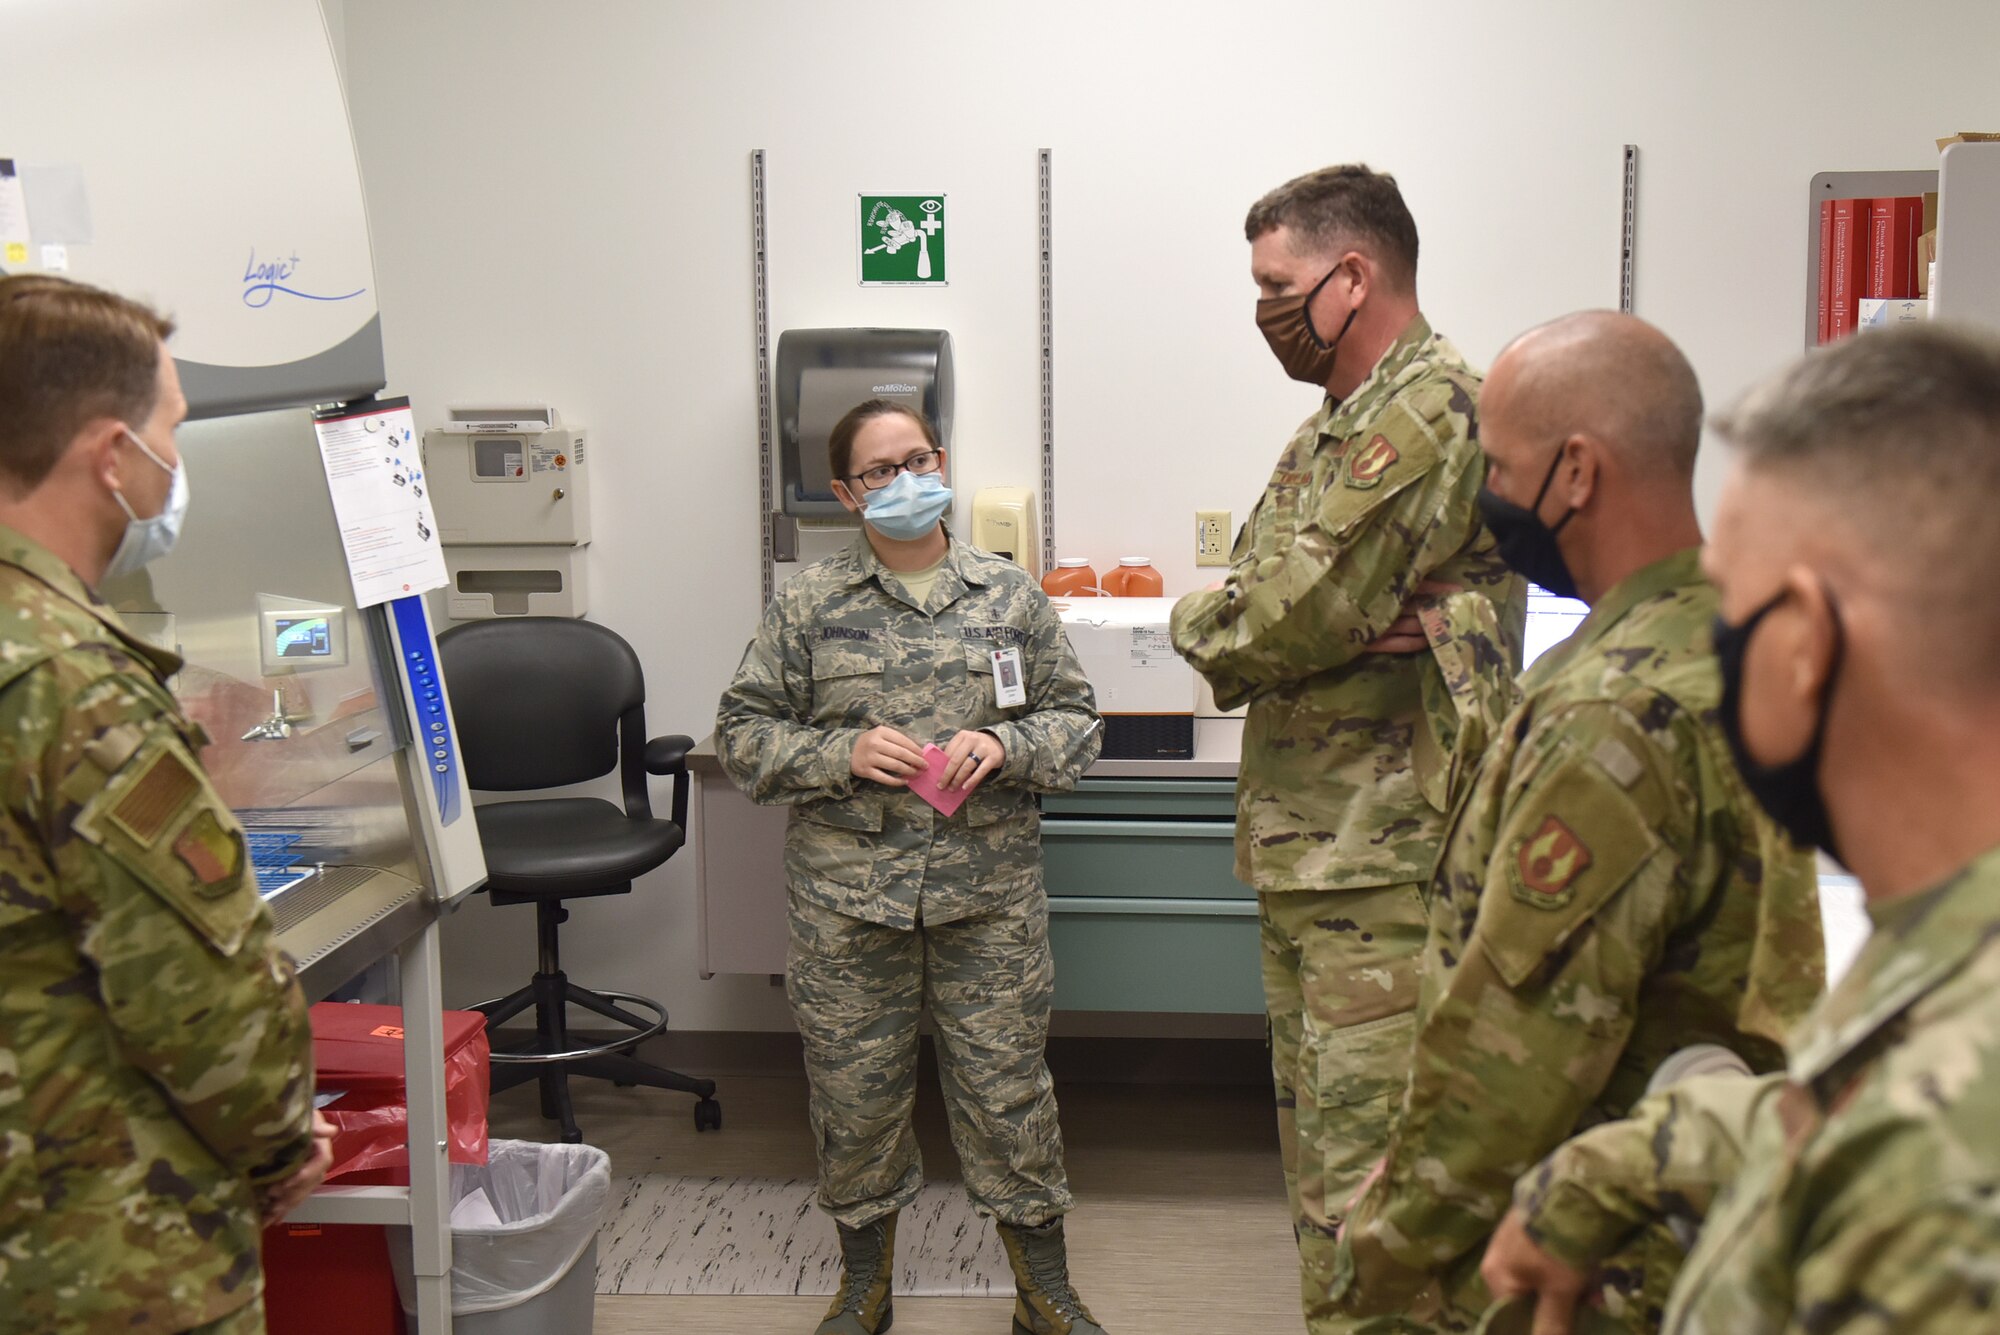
column 298, row 636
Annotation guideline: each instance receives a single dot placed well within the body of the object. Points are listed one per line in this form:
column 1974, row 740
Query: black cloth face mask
column 1527, row 545
column 1788, row 792
column 1288, row 328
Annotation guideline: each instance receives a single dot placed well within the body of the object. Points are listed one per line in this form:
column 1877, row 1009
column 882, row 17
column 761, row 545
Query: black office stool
column 546, row 702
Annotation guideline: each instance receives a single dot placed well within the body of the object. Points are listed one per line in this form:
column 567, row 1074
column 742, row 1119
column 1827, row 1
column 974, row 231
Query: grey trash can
column 529, row 1265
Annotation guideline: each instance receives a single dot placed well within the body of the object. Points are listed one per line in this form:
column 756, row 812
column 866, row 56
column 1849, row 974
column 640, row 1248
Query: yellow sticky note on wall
column 17, row 252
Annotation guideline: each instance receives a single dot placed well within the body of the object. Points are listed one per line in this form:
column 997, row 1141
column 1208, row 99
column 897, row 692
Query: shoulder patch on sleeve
column 1371, row 461
column 212, row 853
column 160, row 822
column 1549, row 860
column 1378, row 463
column 1411, row 429
column 1574, row 840
column 155, row 798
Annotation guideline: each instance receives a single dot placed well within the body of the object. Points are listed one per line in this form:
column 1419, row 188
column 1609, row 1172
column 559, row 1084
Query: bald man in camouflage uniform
column 1348, row 756
column 898, row 910
column 1858, row 1190
column 155, row 1059
column 1609, row 893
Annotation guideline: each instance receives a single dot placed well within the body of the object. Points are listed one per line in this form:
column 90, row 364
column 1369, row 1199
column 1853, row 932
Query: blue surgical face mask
column 908, row 508
column 147, row 540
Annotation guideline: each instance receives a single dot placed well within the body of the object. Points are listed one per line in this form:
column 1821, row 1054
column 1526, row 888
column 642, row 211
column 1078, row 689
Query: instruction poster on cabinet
column 375, row 473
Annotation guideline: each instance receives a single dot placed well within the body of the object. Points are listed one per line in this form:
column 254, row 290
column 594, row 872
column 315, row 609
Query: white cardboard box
column 1128, row 654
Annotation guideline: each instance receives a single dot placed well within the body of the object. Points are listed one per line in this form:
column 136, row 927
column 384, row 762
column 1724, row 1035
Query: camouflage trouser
column 1340, row 984
column 857, row 990
column 247, row 1320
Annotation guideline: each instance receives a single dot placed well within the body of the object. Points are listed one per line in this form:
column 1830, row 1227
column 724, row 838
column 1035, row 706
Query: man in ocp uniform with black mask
column 1369, row 529
column 1609, row 893
column 1859, row 1188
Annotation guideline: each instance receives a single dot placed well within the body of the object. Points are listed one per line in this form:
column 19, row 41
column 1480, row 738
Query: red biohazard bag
column 359, row 1051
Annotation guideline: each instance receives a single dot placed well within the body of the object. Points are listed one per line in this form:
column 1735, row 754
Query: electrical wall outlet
column 1211, row 537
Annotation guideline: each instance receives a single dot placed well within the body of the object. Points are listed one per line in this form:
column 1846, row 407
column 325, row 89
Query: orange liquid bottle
column 1072, row 578
column 1134, row 578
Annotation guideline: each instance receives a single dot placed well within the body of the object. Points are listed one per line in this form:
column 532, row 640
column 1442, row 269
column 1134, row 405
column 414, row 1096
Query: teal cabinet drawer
column 1198, row 956
column 1143, row 858
column 1146, row 799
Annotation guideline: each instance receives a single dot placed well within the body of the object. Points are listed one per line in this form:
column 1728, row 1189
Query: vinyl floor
column 1180, row 1225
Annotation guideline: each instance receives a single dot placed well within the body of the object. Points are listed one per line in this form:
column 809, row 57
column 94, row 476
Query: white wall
column 560, row 204
column 336, row 31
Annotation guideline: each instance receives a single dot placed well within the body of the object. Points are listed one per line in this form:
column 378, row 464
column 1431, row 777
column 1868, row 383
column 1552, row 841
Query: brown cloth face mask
column 1289, row 330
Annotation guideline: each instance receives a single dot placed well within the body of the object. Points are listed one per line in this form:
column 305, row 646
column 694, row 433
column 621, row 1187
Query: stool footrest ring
column 635, row 1038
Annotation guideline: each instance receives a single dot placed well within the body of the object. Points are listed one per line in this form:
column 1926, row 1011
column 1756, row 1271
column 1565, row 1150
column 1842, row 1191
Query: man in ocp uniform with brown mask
column 1374, row 631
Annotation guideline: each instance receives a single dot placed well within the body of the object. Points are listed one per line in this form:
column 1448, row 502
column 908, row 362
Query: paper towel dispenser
column 824, row 372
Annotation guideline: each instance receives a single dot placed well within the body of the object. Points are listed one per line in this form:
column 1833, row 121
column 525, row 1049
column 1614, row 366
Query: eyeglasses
column 880, row 476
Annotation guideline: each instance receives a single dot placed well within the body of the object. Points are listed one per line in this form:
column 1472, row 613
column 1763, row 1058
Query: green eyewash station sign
column 902, row 240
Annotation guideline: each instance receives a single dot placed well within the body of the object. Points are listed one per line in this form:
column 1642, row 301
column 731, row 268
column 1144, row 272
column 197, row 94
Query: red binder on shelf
column 1850, row 265
column 1909, row 237
column 1893, row 228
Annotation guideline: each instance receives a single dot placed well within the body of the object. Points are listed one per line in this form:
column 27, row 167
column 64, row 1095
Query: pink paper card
column 925, row 785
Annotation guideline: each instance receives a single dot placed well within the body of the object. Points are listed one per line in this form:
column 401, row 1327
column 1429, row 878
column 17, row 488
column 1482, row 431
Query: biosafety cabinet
column 250, row 232
column 221, row 186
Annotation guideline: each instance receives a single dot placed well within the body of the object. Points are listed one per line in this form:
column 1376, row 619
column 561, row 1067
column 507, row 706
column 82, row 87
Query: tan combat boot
column 862, row 1306
column 1044, row 1302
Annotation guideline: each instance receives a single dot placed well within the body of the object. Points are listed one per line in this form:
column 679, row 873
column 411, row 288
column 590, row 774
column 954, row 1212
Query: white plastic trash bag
column 541, row 1207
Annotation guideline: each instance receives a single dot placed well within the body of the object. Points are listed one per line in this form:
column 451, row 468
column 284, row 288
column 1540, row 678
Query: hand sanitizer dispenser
column 512, row 497
column 1003, row 522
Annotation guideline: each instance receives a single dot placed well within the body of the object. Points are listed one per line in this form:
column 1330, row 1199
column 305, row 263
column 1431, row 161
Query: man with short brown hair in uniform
column 1348, row 756
column 156, row 1071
